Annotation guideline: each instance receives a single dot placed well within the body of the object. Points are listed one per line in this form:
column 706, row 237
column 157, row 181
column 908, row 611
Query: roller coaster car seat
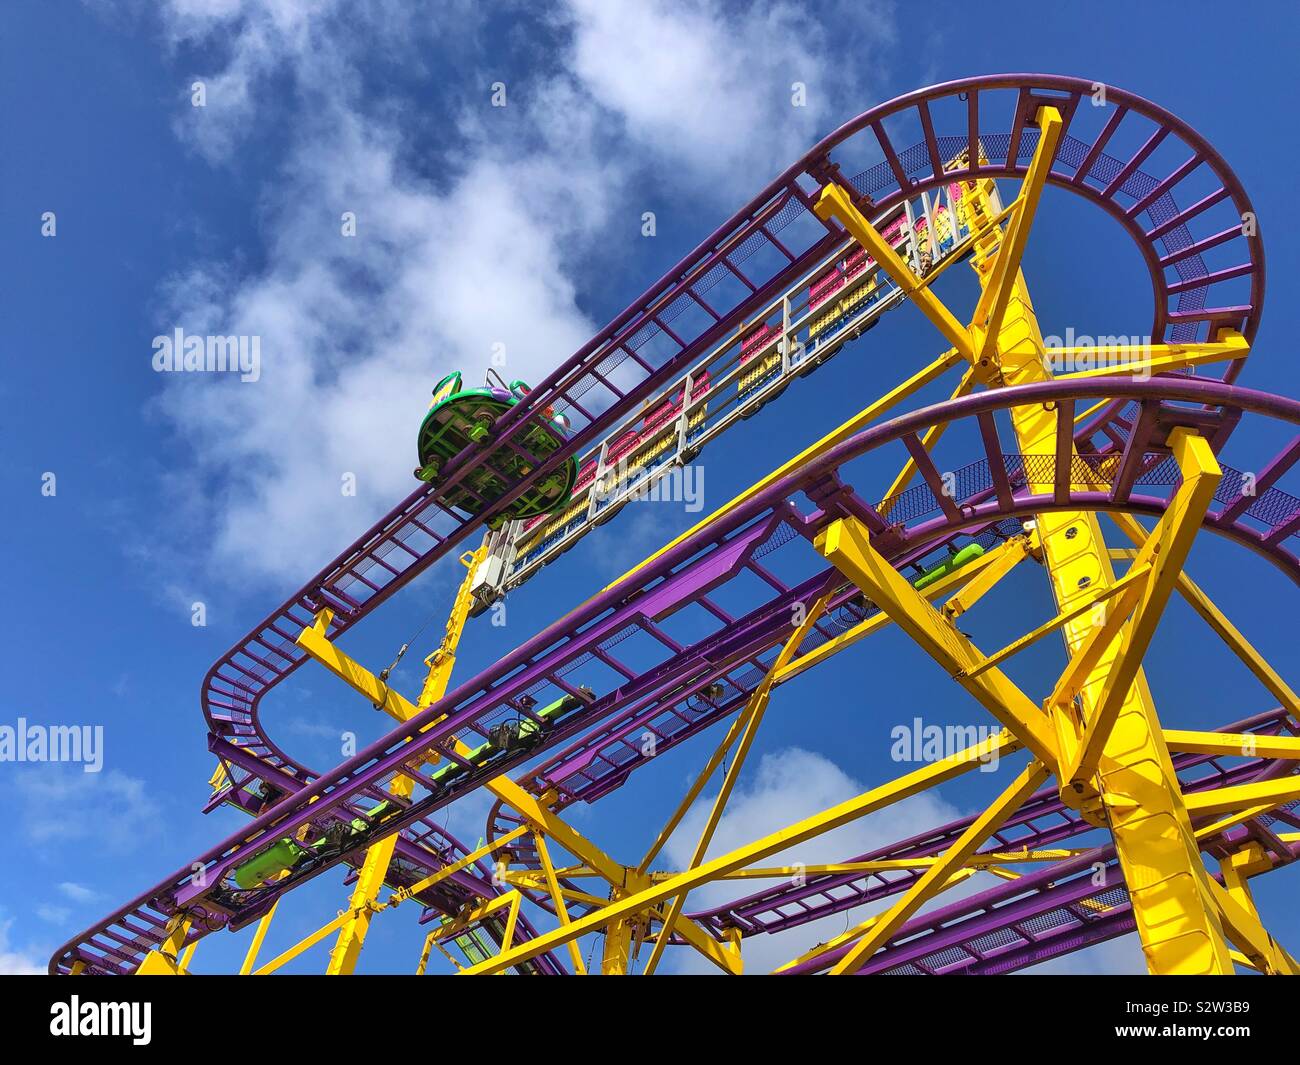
column 460, row 418
column 515, row 735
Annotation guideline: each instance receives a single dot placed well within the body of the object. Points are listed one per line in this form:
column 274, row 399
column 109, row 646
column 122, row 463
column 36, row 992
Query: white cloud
column 17, row 962
column 355, row 331
column 79, row 892
column 53, row 914
column 787, row 786
column 715, row 89
column 60, row 804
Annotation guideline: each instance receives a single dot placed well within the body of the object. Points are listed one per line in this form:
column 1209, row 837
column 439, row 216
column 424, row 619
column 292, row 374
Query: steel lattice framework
column 1107, row 821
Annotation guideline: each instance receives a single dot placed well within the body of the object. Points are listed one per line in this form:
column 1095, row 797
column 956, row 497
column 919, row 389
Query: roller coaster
column 1107, row 821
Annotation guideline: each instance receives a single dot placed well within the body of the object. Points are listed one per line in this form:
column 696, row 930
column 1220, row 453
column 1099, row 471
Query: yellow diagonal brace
column 1085, row 657
column 1240, row 817
column 1260, row 793
column 538, row 816
column 1227, row 744
column 617, row 875
column 750, row 719
column 1244, row 929
column 868, row 802
column 259, row 935
column 738, row 726
column 840, row 433
column 467, row 918
column 557, row 899
column 1033, row 636
column 1215, row 618
column 1009, row 556
column 846, row 543
column 958, row 578
column 975, row 861
column 928, row 440
column 374, row 870
column 834, row 202
column 1134, row 360
column 954, row 858
column 848, row 936
column 1165, row 552
column 303, row 944
column 992, row 306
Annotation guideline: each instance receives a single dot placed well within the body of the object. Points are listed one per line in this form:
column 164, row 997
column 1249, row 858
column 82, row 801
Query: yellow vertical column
column 618, row 945
column 370, row 881
column 1176, row 917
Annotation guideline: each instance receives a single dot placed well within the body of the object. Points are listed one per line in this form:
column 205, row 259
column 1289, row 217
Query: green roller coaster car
column 508, row 736
column 460, row 417
column 287, row 854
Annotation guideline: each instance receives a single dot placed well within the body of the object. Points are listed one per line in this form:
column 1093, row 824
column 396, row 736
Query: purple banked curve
column 556, row 659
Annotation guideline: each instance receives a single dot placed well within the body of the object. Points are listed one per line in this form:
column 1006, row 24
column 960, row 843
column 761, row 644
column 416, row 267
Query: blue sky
column 476, row 225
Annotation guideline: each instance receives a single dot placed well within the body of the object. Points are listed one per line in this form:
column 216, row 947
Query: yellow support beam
column 1260, row 795
column 538, row 816
column 259, row 935
column 1163, row 555
column 975, row 861
column 1243, row 927
column 1215, row 618
column 879, row 798
column 953, row 860
column 1228, row 744
column 834, row 203
column 1150, row 359
column 1138, row 796
column 997, row 292
column 928, row 440
column 1033, row 636
column 846, row 543
column 374, row 870
column 749, row 720
column 1006, row 558
column 557, row 899
column 304, row 944
column 618, row 945
column 997, row 558
column 862, row 929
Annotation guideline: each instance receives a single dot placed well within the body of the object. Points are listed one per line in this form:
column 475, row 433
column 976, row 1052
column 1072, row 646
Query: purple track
column 1170, row 191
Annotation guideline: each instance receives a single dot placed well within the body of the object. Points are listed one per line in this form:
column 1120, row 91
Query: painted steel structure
column 1108, row 820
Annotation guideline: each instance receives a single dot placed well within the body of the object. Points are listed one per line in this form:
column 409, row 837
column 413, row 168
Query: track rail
column 767, row 246
column 685, row 575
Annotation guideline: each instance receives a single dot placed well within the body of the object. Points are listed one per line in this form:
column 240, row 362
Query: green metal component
column 520, row 734
column 472, row 945
column 286, row 853
column 269, row 863
column 459, row 418
column 967, row 554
